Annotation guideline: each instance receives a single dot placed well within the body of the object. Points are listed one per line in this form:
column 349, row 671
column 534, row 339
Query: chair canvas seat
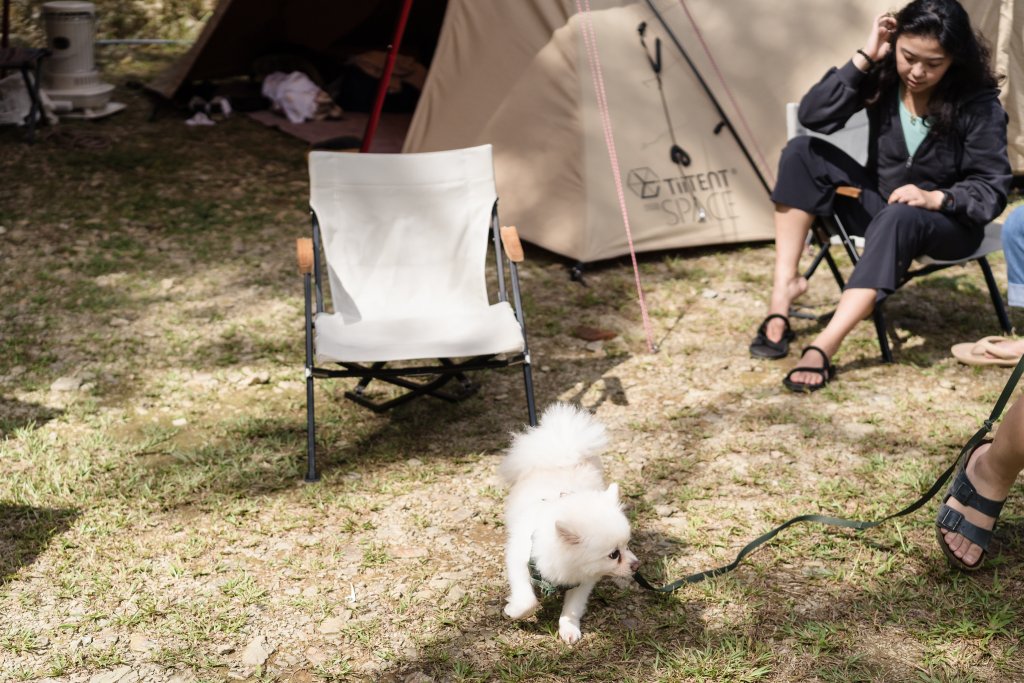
column 491, row 331
column 990, row 243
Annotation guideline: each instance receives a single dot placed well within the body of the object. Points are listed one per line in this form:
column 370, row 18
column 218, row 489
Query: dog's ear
column 567, row 535
column 613, row 491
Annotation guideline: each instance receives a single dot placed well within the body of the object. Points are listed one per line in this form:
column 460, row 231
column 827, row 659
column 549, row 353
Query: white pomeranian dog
column 565, row 529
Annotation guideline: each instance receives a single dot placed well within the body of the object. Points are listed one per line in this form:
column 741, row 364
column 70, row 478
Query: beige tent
column 240, row 31
column 1002, row 23
column 517, row 75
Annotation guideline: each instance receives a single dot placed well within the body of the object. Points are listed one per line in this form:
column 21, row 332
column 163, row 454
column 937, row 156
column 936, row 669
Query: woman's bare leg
column 791, row 226
column 854, row 306
column 992, row 469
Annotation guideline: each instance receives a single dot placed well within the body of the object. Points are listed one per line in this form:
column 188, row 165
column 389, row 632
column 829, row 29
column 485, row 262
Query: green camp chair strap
column 971, row 444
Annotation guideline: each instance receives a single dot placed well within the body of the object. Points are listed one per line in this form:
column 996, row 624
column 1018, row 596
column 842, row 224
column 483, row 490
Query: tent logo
column 644, row 182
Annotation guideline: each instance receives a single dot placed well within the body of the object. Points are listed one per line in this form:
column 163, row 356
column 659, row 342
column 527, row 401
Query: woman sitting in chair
column 937, row 169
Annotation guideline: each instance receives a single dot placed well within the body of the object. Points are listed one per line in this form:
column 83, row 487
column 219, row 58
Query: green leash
column 971, row 444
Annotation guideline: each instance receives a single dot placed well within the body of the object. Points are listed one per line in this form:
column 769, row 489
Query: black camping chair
column 834, row 230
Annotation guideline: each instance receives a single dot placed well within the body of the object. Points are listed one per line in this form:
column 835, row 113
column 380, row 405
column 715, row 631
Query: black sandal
column 827, row 373
column 763, row 347
column 951, row 520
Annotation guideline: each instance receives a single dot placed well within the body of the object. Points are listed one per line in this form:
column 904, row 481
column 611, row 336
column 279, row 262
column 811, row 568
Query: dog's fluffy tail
column 566, row 436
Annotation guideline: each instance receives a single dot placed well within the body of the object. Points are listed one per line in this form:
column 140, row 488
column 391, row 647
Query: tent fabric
column 1002, row 24
column 241, row 31
column 516, row 75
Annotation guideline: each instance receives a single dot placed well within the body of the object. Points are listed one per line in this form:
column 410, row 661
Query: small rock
column 255, row 380
column 709, row 294
column 179, row 422
column 418, row 677
column 257, row 652
column 463, row 515
column 118, row 322
column 166, row 284
column 287, row 659
column 315, row 656
column 225, row 649
column 858, row 430
column 408, row 552
column 664, row 510
column 202, row 380
column 456, row 594
column 333, row 625
column 414, row 462
column 946, row 384
column 545, row 368
column 592, row 334
column 109, row 279
column 140, row 643
column 122, row 674
column 308, row 541
column 594, row 346
column 66, row 384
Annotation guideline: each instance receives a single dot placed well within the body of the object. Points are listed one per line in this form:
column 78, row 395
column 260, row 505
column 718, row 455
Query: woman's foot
column 987, row 484
column 819, row 371
column 810, row 379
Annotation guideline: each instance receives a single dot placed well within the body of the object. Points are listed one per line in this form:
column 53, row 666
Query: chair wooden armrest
column 304, row 254
column 847, row 191
column 510, row 241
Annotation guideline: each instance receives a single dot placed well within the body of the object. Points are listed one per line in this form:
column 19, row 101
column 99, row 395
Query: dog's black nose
column 634, row 565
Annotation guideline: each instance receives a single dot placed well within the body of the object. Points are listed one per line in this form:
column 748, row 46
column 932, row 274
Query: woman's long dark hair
column 971, row 70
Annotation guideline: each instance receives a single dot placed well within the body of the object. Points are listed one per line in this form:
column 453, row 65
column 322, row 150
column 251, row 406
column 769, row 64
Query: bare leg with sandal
column 965, row 521
column 815, row 369
column 774, row 335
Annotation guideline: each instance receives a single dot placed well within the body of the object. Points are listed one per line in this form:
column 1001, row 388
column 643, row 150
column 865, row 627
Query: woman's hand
column 877, row 45
column 913, row 195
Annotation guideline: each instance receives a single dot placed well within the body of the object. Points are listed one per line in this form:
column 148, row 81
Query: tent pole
column 718, row 107
column 385, row 78
column 6, row 30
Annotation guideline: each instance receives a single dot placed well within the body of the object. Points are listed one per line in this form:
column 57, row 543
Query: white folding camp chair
column 405, row 240
column 831, row 230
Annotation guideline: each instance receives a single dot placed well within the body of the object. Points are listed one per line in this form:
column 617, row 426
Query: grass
column 155, row 517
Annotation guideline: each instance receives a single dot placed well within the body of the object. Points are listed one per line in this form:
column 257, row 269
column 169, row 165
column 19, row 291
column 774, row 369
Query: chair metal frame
column 507, row 253
column 826, row 227
column 29, row 62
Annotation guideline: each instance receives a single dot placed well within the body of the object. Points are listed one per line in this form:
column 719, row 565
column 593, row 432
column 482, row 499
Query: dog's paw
column 568, row 631
column 522, row 607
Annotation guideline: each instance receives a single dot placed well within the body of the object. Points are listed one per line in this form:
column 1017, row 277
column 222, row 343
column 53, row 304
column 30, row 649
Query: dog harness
column 546, row 588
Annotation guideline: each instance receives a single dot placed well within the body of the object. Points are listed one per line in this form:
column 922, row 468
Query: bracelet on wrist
column 871, row 62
